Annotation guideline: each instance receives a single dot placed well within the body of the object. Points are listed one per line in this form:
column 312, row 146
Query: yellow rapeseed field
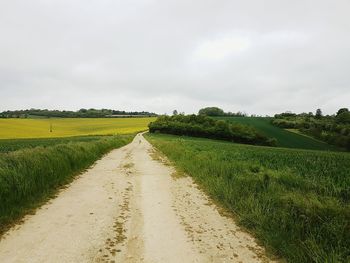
column 40, row 128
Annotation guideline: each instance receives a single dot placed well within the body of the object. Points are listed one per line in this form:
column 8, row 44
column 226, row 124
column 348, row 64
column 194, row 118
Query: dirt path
column 129, row 208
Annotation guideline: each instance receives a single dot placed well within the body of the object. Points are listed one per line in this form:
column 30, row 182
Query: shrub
column 211, row 111
column 330, row 129
column 203, row 126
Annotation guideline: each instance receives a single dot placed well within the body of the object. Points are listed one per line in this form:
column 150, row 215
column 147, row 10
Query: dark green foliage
column 9, row 145
column 295, row 201
column 333, row 129
column 285, row 114
column 343, row 118
column 211, row 111
column 82, row 113
column 215, row 112
column 284, row 138
column 318, row 114
column 342, row 110
column 29, row 176
column 203, row 126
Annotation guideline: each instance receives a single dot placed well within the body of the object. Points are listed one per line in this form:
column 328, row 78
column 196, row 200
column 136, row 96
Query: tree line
column 217, row 112
column 333, row 129
column 206, row 127
column 82, row 113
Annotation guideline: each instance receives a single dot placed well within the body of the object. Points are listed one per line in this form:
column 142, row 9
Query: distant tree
column 343, row 117
column 318, row 114
column 175, row 112
column 82, row 113
column 340, row 111
column 204, row 126
column 211, row 111
column 286, row 114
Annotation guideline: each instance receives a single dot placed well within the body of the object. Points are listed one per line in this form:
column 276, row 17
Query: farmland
column 284, row 138
column 35, row 162
column 10, row 145
column 32, row 170
column 65, row 127
column 296, row 202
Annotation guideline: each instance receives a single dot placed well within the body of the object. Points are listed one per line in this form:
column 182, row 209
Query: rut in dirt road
column 129, row 208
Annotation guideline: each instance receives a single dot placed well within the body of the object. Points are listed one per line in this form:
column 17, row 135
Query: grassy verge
column 296, row 202
column 29, row 176
column 10, row 145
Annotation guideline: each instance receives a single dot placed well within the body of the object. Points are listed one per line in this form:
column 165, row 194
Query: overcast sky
column 256, row 56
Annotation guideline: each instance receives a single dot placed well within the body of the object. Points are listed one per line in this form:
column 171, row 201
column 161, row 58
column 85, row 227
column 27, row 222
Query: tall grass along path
column 296, row 202
column 30, row 176
column 130, row 207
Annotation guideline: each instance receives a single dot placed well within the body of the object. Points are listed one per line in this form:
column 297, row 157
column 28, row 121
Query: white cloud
column 221, row 48
column 159, row 55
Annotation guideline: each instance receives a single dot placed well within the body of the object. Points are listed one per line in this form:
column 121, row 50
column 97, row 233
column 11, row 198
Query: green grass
column 296, row 202
column 10, row 145
column 31, row 175
column 284, row 138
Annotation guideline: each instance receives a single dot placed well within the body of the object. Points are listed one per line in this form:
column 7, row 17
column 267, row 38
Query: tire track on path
column 129, row 208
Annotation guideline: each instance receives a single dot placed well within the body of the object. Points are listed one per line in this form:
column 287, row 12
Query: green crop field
column 295, row 201
column 65, row 127
column 10, row 145
column 284, row 138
